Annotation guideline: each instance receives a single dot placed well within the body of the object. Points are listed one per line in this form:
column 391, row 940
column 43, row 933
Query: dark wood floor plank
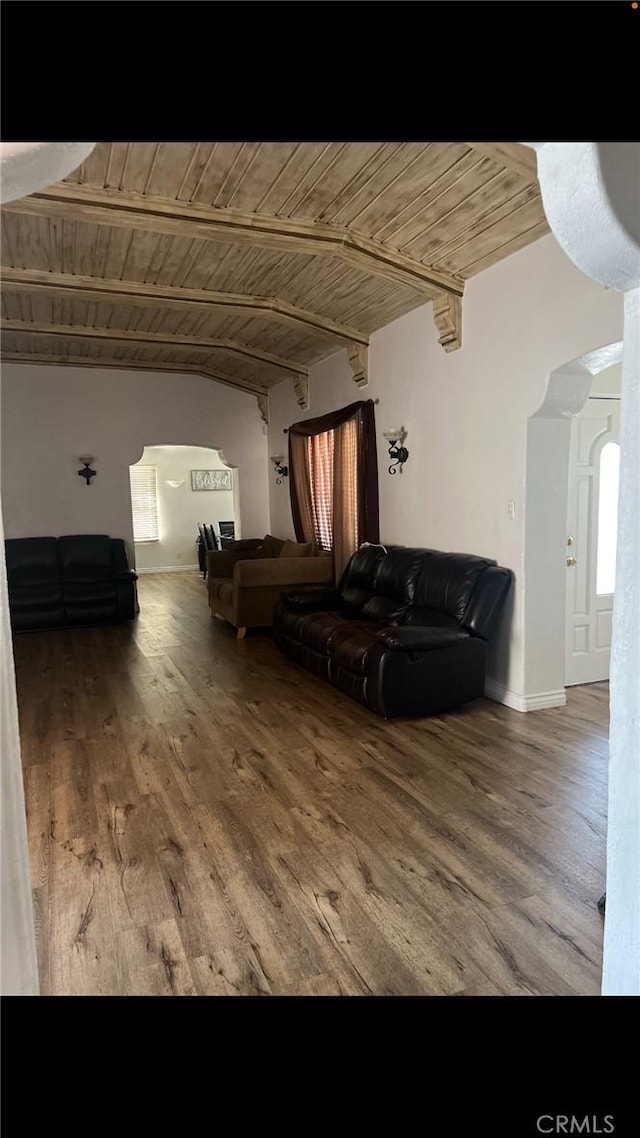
column 206, row 817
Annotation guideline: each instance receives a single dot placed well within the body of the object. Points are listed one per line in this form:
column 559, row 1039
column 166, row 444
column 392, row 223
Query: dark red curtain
column 333, row 482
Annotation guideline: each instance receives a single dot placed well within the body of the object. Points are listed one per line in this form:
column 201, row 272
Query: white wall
column 51, row 415
column 180, row 508
column 466, row 414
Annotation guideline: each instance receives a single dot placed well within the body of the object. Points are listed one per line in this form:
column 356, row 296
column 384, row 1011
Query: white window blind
column 144, row 503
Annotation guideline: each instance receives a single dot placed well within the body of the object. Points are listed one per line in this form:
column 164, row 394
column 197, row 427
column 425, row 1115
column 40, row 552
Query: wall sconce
column 395, row 436
column 87, row 473
column 175, row 483
column 281, row 470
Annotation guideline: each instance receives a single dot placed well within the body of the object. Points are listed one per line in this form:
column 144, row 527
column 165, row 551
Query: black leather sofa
column 405, row 632
column 63, row 582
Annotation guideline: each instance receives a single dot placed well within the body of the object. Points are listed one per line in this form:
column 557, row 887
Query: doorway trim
column 546, row 501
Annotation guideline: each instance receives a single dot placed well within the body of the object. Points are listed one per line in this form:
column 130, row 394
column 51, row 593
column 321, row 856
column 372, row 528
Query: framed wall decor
column 211, row 480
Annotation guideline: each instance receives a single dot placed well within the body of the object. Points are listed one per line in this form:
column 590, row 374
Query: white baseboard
column 168, row 569
column 519, row 702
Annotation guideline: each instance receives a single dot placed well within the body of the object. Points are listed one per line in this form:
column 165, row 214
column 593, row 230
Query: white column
column 621, row 971
column 19, row 965
column 591, row 196
column 24, row 168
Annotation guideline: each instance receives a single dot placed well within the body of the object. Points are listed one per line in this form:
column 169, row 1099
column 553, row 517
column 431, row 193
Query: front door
column 591, row 539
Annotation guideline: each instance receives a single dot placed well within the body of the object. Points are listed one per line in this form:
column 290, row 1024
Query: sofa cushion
column 350, row 646
column 398, row 573
column 32, row 561
column 420, row 639
column 25, row 600
column 36, row 608
column 359, row 575
column 85, row 557
column 429, row 618
column 271, row 546
column 316, row 629
column 447, row 581
column 296, row 549
column 385, row 610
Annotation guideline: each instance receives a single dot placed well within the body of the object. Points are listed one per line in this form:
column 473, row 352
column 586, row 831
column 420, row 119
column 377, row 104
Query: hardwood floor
column 207, row 818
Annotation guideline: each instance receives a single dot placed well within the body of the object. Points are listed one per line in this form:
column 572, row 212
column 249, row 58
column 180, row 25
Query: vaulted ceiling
column 248, row 262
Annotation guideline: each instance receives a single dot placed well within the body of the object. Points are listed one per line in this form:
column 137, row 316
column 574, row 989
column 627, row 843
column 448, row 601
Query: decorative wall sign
column 210, row 479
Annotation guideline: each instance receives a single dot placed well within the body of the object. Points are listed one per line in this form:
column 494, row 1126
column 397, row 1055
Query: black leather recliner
column 406, row 630
column 69, row 581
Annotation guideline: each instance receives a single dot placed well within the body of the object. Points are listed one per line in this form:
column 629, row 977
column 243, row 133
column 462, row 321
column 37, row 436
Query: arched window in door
column 607, row 518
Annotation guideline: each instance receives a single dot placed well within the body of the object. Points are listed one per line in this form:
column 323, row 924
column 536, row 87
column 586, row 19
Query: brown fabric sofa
column 246, row 582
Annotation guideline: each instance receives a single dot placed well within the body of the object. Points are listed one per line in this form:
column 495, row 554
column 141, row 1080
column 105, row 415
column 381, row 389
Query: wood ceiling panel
column 254, row 174
column 207, row 259
column 13, row 305
column 194, row 170
column 9, row 250
column 499, row 239
column 215, row 171
column 483, row 221
column 117, row 250
column 243, row 170
column 37, row 308
column 94, row 168
column 358, row 304
column 346, row 167
column 175, row 258
column 322, row 158
column 158, row 256
column 139, row 257
column 298, row 169
column 303, row 246
column 408, row 199
column 252, row 373
column 116, row 165
column 272, row 276
column 470, row 172
column 474, row 215
column 170, row 166
column 397, row 169
column 138, row 166
column 471, row 197
column 379, row 315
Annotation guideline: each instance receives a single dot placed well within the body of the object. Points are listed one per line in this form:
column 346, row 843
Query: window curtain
column 333, row 469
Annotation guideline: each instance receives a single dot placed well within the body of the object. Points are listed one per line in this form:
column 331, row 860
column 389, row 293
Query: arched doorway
column 546, row 505
column 173, row 489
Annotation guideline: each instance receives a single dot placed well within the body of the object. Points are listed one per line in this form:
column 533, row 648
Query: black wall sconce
column 281, row 470
column 395, row 436
column 87, row 473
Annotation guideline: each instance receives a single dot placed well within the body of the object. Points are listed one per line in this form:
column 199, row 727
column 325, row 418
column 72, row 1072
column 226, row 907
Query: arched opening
column 549, row 434
column 173, row 490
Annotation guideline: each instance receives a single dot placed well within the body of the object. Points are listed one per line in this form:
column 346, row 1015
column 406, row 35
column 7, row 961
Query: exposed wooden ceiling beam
column 146, row 365
column 122, row 336
column 184, row 219
column 521, row 159
column 132, row 292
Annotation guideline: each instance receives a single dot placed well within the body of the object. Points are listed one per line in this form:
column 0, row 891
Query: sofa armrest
column 124, row 575
column 420, row 638
column 313, row 597
column 282, row 571
column 221, row 563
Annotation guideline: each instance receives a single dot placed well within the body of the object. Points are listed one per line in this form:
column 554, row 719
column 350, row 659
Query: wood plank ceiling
column 248, row 262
